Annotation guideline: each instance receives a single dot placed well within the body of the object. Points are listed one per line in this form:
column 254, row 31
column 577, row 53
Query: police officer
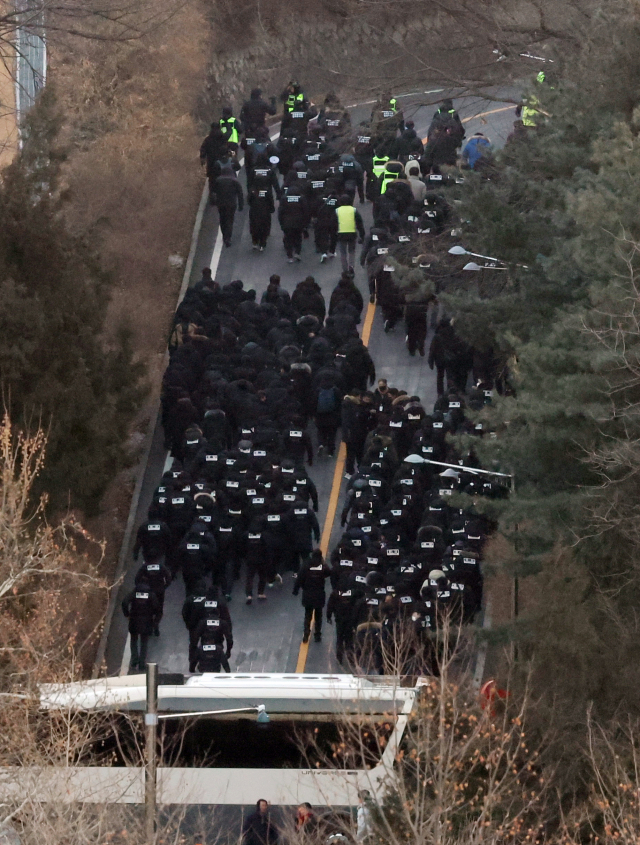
column 294, row 98
column 231, row 128
column 350, row 227
column 142, row 608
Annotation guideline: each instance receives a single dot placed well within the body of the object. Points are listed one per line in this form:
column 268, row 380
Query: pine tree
column 564, row 203
column 57, row 365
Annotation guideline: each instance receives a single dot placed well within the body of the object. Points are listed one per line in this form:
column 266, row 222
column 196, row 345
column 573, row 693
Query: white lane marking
column 126, row 657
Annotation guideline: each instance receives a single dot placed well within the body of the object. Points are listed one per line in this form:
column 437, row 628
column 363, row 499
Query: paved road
column 268, row 635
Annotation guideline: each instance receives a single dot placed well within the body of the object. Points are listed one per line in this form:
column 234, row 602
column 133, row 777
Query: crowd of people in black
column 247, row 377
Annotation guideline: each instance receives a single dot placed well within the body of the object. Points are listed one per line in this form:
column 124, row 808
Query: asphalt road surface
column 267, row 635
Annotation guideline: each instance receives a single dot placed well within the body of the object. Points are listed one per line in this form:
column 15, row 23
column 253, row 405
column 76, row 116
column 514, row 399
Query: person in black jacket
column 450, row 355
column 356, row 416
column 258, row 829
column 141, row 607
column 293, row 216
column 310, row 580
column 255, row 110
column 228, row 198
column 213, row 148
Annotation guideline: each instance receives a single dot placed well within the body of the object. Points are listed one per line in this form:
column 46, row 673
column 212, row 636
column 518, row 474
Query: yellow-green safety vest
column 387, row 176
column 294, row 101
column 346, row 219
column 379, row 164
column 230, row 125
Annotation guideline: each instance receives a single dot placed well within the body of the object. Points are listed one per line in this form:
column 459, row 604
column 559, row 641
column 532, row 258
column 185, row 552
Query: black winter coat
column 311, row 580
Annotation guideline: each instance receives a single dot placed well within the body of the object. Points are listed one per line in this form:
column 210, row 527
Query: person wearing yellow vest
column 231, row 128
column 350, row 228
column 392, row 170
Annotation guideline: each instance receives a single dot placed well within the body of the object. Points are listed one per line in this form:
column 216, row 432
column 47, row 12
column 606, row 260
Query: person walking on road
column 311, row 580
column 142, row 608
column 228, row 198
column 293, row 216
column 350, row 227
column 258, row 829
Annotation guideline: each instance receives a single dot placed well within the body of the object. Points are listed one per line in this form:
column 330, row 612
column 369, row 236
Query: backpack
column 327, row 403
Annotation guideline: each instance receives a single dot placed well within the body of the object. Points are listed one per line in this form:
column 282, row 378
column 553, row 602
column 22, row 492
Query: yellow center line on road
column 334, row 496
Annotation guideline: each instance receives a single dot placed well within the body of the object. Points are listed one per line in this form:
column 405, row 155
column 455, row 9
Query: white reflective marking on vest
column 412, row 219
column 153, row 528
column 375, row 482
column 297, row 114
column 209, row 647
column 427, row 449
column 288, row 471
column 193, row 547
column 406, row 599
column 413, row 416
column 211, row 603
column 404, row 239
column 333, row 123
column 142, row 595
column 300, row 511
column 211, row 458
column 213, row 623
column 233, row 484
column 396, row 512
column 293, row 199
column 364, row 139
column 374, row 237
column 259, row 500
column 393, row 552
column 435, row 177
column 255, row 536
column 438, row 425
column 360, row 579
column 302, row 174
column 260, row 453
column 317, row 184
column 288, row 497
column 388, row 268
column 470, row 561
column 251, row 492
column 345, row 593
column 427, row 544
column 445, row 492
column 234, row 513
column 407, row 481
column 316, row 568
column 225, row 530
column 314, row 157
column 262, row 193
column 346, row 563
column 153, row 567
column 295, row 434
column 454, row 404
column 357, row 543
column 393, row 424
column 424, row 231
column 366, row 529
column 382, row 250
column 273, row 517
column 387, row 113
